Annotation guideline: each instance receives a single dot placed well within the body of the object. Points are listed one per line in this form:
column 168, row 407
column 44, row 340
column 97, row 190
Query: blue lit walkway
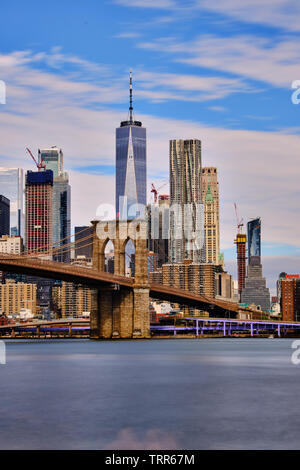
column 228, row 326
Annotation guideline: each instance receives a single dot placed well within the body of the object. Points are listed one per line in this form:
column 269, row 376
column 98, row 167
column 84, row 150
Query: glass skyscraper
column 255, row 290
column 53, row 158
column 61, row 216
column 4, row 216
column 61, row 213
column 254, row 239
column 131, row 167
column 12, row 187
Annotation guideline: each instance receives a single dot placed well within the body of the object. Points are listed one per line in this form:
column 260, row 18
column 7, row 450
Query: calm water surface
column 174, row 394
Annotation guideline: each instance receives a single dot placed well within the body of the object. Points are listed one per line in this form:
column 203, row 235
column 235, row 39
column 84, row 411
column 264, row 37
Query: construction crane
column 239, row 222
column 38, row 165
column 155, row 190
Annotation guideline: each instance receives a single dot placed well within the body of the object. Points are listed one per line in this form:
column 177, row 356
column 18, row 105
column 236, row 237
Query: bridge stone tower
column 118, row 311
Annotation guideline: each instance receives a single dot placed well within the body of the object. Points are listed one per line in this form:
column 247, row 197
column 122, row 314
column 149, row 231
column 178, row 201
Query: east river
column 157, row 394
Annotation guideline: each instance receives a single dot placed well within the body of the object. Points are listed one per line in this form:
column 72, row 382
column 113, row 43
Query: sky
column 219, row 71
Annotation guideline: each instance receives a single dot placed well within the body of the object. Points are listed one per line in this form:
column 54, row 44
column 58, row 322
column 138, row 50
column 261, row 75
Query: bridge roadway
column 94, row 278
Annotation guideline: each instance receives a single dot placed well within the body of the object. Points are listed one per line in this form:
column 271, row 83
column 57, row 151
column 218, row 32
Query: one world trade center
column 130, row 167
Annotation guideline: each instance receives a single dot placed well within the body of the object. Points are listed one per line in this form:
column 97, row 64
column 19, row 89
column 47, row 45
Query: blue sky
column 219, row 71
column 160, row 41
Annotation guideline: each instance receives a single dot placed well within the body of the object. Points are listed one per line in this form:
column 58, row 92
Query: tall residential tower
column 210, row 198
column 255, row 290
column 38, row 204
column 130, row 167
column 186, row 208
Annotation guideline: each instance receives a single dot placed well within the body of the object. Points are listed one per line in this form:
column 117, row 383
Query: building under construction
column 240, row 241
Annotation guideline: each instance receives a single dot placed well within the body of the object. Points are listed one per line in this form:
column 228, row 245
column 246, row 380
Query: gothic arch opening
column 129, row 250
column 109, row 257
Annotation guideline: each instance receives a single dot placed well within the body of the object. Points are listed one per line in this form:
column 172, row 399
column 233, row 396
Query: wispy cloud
column 218, row 108
column 128, row 35
column 189, row 87
column 278, row 13
column 282, row 14
column 276, row 63
column 159, row 4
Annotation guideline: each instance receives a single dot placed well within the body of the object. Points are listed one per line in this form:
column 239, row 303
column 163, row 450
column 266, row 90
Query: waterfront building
column 12, row 186
column 210, row 198
column 194, row 277
column 71, row 300
column 198, row 278
column 186, row 208
column 4, row 216
column 38, row 207
column 225, row 287
column 156, row 276
column 255, row 290
column 15, row 296
column 288, row 289
column 11, row 245
column 131, row 167
column 61, row 212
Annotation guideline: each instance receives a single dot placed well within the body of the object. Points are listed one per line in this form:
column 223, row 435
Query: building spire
column 130, row 97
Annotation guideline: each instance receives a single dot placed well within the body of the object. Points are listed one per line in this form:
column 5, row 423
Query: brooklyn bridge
column 120, row 304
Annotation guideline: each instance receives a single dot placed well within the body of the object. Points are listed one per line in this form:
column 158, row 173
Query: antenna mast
column 130, row 97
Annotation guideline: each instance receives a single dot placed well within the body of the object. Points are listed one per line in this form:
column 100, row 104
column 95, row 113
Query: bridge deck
column 92, row 277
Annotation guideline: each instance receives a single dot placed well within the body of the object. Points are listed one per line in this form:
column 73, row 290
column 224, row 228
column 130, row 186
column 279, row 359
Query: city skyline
column 73, row 94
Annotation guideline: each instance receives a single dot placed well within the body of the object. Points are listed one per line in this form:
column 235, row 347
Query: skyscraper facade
column 84, row 247
column 71, row 300
column 158, row 228
column 38, row 217
column 254, row 243
column 210, row 198
column 61, row 217
column 288, row 289
column 53, row 159
column 12, row 186
column 186, row 208
column 17, row 295
column 240, row 241
column 61, row 223
column 131, row 167
column 4, row 216
column 255, row 290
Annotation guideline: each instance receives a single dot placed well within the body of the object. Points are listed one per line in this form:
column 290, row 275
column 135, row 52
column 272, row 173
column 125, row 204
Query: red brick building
column 38, row 208
column 289, row 296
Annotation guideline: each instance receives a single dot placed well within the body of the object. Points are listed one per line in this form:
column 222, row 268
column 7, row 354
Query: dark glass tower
column 130, row 167
column 4, row 215
column 255, row 290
